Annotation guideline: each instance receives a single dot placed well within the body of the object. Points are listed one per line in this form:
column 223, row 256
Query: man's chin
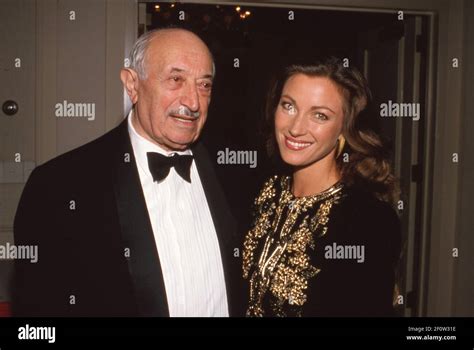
column 180, row 144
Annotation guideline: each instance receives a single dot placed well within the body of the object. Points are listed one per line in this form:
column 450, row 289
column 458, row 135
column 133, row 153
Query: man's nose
column 190, row 98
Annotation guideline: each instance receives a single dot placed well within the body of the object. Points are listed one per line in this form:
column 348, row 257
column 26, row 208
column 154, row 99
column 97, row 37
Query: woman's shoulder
column 363, row 219
column 368, row 218
column 363, row 204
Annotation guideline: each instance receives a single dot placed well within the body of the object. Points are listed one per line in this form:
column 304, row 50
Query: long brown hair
column 368, row 162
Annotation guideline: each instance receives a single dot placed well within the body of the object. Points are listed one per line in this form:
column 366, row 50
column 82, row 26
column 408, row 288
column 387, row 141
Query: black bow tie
column 160, row 165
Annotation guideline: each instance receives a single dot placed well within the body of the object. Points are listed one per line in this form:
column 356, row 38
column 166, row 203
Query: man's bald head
column 162, row 40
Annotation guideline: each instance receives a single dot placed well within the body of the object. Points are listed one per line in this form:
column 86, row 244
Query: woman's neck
column 316, row 177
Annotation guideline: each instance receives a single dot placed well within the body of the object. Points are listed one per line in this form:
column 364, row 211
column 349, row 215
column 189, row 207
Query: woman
column 325, row 239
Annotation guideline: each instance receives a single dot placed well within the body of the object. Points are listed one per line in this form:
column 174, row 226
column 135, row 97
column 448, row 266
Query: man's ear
column 130, row 82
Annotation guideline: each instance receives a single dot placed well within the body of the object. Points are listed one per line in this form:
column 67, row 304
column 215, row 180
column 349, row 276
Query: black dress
column 331, row 254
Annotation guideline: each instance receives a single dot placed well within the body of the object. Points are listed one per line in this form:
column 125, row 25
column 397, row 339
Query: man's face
column 171, row 103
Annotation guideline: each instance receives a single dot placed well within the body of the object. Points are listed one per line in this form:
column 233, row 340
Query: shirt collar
column 141, row 146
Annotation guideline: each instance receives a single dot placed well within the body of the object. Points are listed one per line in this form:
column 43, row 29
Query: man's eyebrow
column 181, row 70
column 177, row 70
column 207, row 76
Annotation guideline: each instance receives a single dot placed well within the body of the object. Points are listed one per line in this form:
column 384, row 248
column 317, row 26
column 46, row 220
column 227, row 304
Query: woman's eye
column 321, row 116
column 288, row 107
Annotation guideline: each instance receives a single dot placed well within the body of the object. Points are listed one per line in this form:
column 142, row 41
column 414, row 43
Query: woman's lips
column 296, row 145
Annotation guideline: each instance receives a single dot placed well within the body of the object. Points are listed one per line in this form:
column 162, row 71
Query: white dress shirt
column 185, row 236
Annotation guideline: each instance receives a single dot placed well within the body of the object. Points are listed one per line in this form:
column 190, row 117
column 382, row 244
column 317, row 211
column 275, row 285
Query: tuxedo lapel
column 137, row 233
column 223, row 221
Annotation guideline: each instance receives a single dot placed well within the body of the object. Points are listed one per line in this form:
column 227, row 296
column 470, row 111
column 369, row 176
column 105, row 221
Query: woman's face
column 308, row 120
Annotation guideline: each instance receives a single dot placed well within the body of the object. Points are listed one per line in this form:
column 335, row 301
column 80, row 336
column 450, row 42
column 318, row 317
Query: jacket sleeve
column 32, row 292
column 373, row 281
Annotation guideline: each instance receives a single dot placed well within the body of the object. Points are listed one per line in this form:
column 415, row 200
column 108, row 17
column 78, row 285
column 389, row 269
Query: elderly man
column 134, row 223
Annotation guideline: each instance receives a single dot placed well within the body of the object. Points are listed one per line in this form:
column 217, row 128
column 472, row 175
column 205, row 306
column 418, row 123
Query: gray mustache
column 184, row 111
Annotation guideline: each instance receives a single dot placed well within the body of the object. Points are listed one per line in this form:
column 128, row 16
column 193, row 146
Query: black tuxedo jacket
column 86, row 212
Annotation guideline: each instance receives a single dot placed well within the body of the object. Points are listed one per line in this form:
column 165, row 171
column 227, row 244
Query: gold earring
column 341, row 141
